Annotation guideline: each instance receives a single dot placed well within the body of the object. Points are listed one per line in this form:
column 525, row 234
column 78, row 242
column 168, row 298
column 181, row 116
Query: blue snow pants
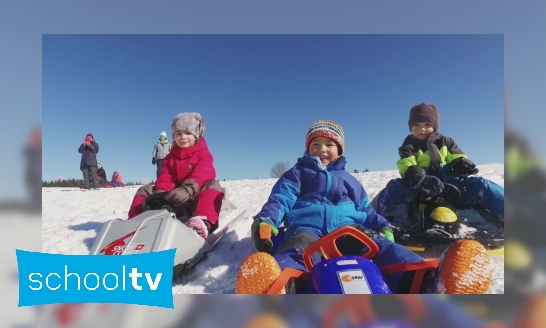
column 474, row 191
column 289, row 255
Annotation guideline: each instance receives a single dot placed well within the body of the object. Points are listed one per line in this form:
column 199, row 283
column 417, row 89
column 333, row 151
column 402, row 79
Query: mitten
column 146, row 190
column 430, row 186
column 261, row 232
column 153, row 161
column 388, row 234
column 413, row 175
column 463, row 167
column 178, row 196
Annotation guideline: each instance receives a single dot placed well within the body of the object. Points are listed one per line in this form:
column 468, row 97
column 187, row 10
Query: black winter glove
column 429, row 186
column 414, row 174
column 144, row 206
column 146, row 190
column 178, row 196
column 261, row 232
column 463, row 167
column 153, row 161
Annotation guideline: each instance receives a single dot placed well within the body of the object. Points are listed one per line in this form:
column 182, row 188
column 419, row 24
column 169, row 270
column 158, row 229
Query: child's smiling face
column 325, row 148
column 184, row 139
column 421, row 131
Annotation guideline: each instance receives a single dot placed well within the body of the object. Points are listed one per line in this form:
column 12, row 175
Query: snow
column 72, row 218
column 26, row 237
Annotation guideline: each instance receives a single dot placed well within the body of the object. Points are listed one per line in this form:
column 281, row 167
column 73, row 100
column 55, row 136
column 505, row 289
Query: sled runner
column 159, row 229
column 441, row 220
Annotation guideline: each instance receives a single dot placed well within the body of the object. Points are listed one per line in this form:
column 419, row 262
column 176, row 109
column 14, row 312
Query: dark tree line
column 75, row 183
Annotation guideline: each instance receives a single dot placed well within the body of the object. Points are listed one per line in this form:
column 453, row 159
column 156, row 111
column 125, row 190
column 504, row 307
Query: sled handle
column 327, row 245
column 157, row 202
column 281, row 281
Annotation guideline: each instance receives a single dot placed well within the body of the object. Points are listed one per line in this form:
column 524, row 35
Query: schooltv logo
column 144, row 279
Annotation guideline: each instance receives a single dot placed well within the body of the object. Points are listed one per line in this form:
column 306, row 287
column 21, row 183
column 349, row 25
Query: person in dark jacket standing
column 89, row 149
column 161, row 149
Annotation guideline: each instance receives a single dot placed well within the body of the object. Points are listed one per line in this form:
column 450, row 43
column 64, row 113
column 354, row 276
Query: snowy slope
column 71, row 220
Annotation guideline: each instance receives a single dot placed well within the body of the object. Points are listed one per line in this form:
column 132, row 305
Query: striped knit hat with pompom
column 328, row 129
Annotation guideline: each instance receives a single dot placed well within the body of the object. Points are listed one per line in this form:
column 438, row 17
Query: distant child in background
column 161, row 149
column 88, row 163
column 101, row 174
column 116, row 179
column 316, row 197
column 428, row 158
column 188, row 175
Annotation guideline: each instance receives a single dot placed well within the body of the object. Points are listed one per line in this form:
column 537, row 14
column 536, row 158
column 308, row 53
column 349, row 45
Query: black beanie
column 424, row 113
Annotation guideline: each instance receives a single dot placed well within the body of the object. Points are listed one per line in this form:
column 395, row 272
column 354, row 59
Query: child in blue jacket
column 312, row 199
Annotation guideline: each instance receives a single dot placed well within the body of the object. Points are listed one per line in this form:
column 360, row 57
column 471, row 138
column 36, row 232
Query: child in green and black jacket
column 428, row 158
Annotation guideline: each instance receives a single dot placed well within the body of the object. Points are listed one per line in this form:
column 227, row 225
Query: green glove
column 388, row 234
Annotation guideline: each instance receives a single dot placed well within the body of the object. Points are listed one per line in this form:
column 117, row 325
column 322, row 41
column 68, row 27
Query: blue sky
column 23, row 24
column 259, row 93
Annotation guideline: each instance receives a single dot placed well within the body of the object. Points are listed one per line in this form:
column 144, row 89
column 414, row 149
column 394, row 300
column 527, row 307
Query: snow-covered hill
column 71, row 220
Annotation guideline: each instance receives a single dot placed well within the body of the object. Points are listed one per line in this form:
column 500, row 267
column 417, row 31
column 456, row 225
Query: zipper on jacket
column 331, row 177
column 328, row 186
column 334, row 188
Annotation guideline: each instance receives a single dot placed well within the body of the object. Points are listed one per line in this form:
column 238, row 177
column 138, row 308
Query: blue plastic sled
column 336, row 273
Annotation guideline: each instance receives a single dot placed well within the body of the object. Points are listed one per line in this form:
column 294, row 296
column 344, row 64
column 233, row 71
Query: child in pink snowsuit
column 188, row 175
column 116, row 179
